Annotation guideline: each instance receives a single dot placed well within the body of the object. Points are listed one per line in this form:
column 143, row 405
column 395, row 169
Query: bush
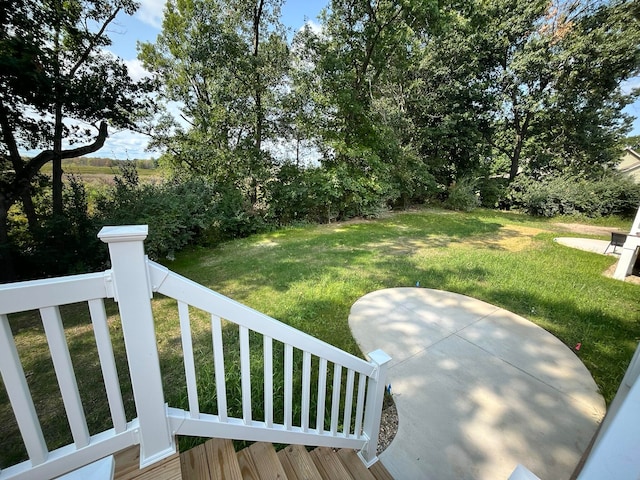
column 300, row 195
column 60, row 244
column 175, row 212
column 178, row 213
column 493, row 191
column 463, row 195
column 614, row 194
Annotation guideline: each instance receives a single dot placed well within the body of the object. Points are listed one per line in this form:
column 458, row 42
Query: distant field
column 92, row 173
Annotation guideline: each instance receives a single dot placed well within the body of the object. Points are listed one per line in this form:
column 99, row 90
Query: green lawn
column 310, row 276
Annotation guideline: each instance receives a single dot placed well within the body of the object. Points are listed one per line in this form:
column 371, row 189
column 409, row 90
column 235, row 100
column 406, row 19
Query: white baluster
column 189, row 362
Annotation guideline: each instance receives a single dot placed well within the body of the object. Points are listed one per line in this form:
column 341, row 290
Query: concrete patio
column 478, row 389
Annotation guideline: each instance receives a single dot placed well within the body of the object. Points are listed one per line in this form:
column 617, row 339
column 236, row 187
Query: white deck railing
column 355, row 410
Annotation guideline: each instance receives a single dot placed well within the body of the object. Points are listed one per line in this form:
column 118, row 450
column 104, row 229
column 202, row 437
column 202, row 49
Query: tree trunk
column 515, row 157
column 30, row 211
column 7, row 267
column 257, row 14
column 521, row 134
column 56, row 178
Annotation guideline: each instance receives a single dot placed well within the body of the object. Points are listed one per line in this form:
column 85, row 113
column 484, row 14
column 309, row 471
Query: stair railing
column 340, row 408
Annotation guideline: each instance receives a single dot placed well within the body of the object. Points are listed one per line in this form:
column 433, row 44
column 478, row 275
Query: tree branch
column 10, row 139
column 37, row 162
column 92, row 44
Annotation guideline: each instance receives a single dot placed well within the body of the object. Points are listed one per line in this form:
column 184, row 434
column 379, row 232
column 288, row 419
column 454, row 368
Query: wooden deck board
column 194, row 463
column 380, row 472
column 247, row 467
column 354, row 465
column 298, row 464
column 128, row 467
column 265, row 456
column 223, row 461
column 216, row 459
column 329, row 464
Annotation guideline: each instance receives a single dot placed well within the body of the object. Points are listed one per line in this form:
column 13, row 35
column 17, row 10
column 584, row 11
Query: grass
column 309, row 277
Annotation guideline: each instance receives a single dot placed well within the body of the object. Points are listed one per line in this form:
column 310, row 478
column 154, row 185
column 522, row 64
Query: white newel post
column 132, row 291
column 373, row 406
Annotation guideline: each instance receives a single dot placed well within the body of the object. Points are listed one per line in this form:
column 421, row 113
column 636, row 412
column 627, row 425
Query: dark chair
column 617, row 240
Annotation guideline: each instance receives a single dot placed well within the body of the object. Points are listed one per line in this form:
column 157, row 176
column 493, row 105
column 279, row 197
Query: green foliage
column 61, row 244
column 177, row 212
column 301, row 195
column 633, row 142
column 223, row 63
column 61, row 88
column 493, row 191
column 463, row 195
column 613, row 194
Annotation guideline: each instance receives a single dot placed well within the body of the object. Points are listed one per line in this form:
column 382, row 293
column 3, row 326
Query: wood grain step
column 194, row 463
column 215, row 459
column 298, row 464
column 354, row 465
column 260, row 462
column 223, row 462
column 247, row 466
column 329, row 464
column 380, row 472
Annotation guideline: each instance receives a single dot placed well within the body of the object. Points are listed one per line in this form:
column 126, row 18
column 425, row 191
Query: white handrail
column 182, row 289
column 52, row 292
column 360, row 431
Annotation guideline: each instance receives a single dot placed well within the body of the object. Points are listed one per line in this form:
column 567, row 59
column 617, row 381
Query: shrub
column 613, row 194
column 59, row 244
column 176, row 212
column 462, row 195
column 179, row 213
column 493, row 191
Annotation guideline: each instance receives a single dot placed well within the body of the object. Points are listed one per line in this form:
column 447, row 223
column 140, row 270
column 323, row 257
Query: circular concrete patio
column 478, row 389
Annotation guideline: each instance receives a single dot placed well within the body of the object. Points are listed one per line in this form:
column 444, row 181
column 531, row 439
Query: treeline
column 507, row 104
column 391, row 103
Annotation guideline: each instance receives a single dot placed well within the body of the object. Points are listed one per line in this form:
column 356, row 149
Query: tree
column 448, row 96
column 583, row 126
column 355, row 56
column 60, row 88
column 221, row 63
column 558, row 68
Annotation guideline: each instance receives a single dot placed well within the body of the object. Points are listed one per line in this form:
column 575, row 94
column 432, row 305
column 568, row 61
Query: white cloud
column 125, row 144
column 151, row 12
column 136, row 70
